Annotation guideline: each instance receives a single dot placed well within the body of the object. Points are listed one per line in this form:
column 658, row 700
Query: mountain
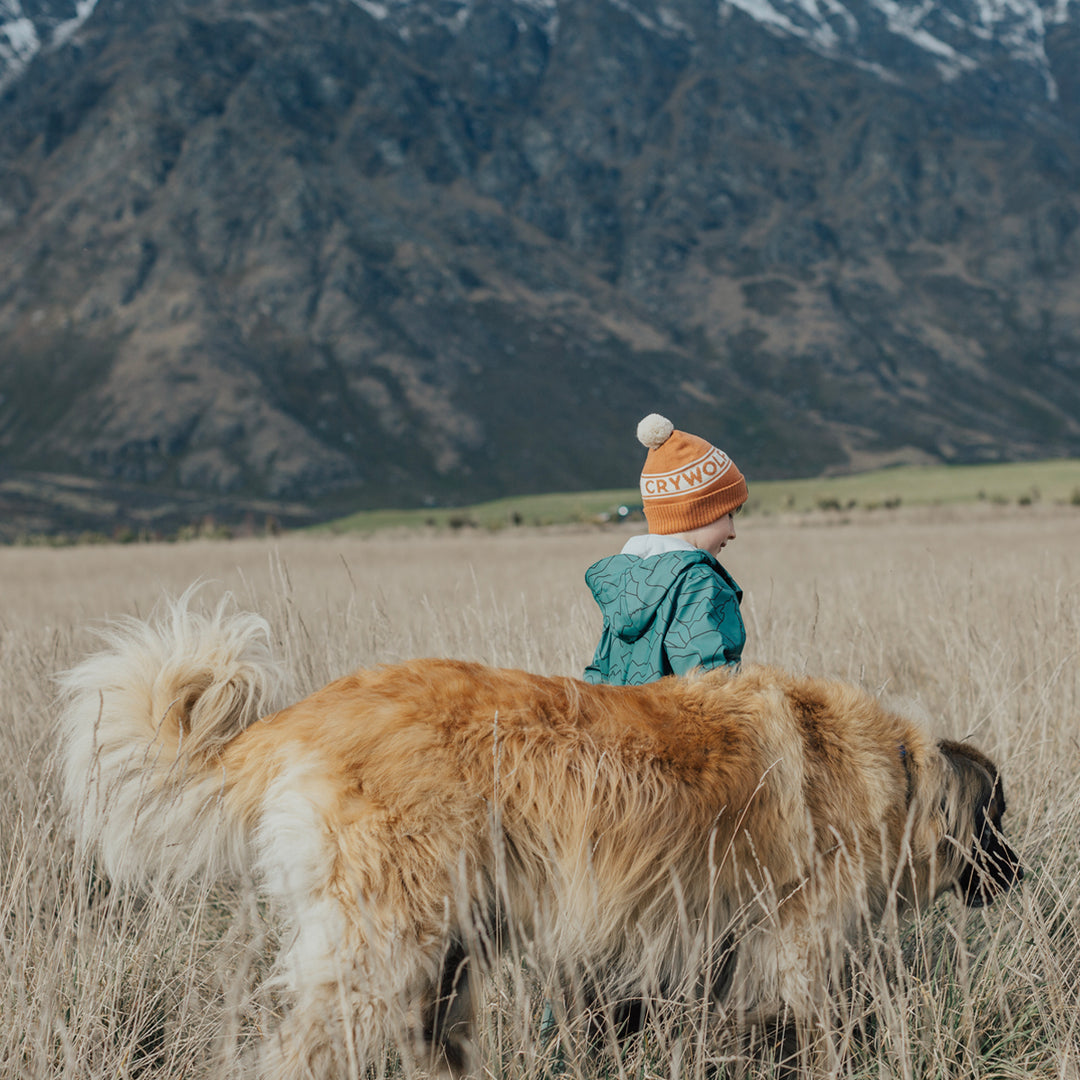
column 295, row 258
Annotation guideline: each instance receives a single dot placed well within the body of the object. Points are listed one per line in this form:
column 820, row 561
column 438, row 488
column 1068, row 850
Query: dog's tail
column 143, row 724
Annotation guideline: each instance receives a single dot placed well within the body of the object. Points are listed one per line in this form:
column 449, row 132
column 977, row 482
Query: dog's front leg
column 776, row 1037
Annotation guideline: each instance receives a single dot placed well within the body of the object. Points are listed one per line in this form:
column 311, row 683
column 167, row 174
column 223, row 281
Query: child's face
column 712, row 538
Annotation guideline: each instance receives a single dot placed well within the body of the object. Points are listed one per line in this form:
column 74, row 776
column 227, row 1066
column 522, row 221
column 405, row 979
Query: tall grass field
column 968, row 616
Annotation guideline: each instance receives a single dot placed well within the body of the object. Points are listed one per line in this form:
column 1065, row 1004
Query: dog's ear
column 974, row 809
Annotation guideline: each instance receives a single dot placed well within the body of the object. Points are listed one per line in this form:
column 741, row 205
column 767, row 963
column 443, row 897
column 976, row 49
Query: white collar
column 650, row 544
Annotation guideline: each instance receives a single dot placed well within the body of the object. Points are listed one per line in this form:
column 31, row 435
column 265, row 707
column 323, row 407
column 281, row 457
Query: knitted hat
column 686, row 482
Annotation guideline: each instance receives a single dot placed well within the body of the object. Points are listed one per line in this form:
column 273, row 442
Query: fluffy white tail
column 143, row 724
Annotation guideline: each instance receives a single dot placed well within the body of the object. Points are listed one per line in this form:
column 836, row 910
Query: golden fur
column 713, row 834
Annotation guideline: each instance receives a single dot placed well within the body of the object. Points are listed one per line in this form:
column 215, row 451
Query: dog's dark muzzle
column 992, row 869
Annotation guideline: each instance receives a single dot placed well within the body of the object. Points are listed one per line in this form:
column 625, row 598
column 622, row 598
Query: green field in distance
column 1054, row 481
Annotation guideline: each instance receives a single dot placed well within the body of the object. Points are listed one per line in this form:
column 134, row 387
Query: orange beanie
column 686, row 482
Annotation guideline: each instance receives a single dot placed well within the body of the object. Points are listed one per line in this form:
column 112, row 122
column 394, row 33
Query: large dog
column 719, row 834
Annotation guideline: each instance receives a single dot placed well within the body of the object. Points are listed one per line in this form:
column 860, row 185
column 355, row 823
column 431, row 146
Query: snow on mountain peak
column 891, row 37
column 956, row 36
column 27, row 29
column 19, row 41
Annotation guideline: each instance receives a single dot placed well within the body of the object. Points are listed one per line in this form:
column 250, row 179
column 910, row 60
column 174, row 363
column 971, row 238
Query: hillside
column 269, row 257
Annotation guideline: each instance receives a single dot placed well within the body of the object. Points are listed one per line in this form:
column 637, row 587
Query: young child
column 668, row 604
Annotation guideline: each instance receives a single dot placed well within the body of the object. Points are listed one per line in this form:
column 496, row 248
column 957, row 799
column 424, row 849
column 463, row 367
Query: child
column 668, row 604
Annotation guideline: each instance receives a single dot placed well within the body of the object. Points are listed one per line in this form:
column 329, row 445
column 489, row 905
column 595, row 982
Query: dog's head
column 985, row 864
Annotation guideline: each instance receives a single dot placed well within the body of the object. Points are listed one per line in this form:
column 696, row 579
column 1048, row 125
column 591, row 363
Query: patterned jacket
column 667, row 607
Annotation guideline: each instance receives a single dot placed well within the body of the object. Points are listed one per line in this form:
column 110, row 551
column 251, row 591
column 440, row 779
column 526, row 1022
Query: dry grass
column 972, row 617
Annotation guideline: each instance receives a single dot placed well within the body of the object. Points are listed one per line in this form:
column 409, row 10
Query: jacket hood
column 630, row 589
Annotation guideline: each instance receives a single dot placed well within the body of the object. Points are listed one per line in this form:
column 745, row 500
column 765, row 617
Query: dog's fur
column 718, row 834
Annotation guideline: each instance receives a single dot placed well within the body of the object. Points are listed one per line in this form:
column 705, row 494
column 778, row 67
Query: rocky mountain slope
column 310, row 256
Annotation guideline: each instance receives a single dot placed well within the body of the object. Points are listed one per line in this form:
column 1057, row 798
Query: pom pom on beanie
column 654, row 431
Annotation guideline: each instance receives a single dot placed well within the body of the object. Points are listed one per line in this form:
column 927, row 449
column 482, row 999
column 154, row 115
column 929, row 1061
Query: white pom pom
column 654, row 430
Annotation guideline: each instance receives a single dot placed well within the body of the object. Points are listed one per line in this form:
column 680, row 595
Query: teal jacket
column 663, row 615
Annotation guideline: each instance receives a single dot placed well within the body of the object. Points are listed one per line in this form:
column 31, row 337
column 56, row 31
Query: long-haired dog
column 709, row 835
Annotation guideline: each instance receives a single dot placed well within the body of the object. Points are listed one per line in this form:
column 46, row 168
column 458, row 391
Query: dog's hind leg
column 448, row 1016
column 359, row 994
column 344, row 1029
